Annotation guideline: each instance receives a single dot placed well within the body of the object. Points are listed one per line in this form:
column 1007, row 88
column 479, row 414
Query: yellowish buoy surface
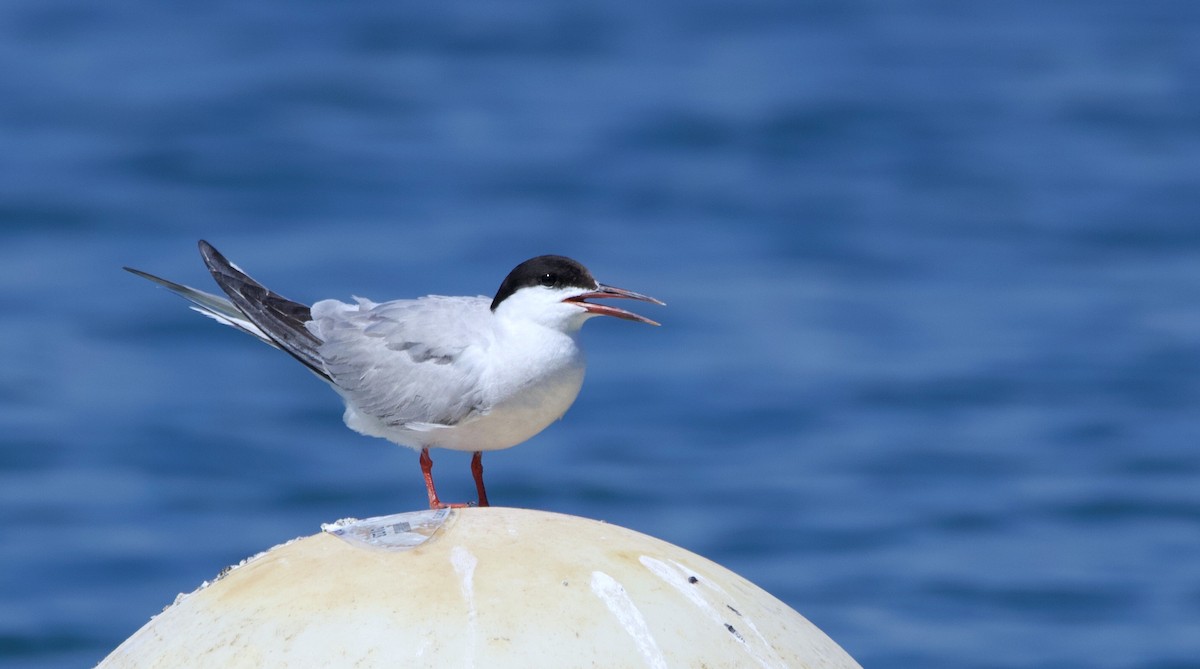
column 479, row 587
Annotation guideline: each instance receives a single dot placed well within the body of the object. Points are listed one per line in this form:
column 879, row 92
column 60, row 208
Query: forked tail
column 251, row 308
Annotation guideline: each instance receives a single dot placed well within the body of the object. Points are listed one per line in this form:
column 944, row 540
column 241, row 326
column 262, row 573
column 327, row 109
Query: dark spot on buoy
column 693, row 579
column 734, row 632
column 739, row 613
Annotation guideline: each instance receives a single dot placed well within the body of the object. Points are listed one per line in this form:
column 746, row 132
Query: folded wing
column 412, row 364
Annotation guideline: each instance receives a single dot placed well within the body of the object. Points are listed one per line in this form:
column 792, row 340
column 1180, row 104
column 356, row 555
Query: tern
column 463, row 373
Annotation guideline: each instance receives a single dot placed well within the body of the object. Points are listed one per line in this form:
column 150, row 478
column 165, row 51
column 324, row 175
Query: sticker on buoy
column 402, row 531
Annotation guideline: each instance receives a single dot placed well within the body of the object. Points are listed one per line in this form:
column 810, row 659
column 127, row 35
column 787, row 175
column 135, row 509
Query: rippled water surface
column 929, row 373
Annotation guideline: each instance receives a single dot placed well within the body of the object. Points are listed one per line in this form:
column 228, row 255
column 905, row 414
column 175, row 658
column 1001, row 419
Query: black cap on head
column 549, row 271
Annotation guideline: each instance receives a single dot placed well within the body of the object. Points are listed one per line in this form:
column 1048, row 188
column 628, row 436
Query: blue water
column 929, row 373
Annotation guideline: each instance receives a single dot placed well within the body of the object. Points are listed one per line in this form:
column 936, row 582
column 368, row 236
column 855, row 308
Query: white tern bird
column 465, row 373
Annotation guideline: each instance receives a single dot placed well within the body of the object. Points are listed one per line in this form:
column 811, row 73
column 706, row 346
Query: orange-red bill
column 610, row 292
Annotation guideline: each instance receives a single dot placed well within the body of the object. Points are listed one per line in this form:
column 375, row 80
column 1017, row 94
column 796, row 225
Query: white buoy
column 488, row 588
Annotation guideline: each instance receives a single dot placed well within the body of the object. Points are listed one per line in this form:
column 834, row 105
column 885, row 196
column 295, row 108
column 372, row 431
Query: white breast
column 517, row 419
column 532, row 377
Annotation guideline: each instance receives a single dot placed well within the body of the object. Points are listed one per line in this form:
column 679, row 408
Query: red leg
column 477, row 471
column 427, row 472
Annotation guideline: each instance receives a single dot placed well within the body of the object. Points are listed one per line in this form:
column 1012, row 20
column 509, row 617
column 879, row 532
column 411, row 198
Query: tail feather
column 250, row 308
column 217, row 308
column 280, row 319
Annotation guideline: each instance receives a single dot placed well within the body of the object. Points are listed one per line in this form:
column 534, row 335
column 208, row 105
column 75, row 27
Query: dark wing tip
column 212, row 257
column 282, row 320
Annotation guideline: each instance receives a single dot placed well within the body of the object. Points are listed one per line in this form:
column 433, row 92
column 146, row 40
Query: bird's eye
column 547, row 279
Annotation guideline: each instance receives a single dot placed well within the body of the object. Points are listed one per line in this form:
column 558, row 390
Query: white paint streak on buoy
column 627, row 614
column 689, row 584
column 464, row 565
column 711, row 583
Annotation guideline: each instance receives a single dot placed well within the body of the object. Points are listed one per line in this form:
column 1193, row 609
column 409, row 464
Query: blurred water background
column 929, row 373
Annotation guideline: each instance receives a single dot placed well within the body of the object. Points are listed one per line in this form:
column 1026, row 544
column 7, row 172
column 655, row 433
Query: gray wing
column 413, row 364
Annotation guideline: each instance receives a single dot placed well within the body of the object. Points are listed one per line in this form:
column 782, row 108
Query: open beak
column 607, row 292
